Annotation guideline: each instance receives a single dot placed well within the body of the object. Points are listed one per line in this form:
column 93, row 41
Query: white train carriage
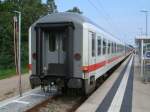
column 71, row 51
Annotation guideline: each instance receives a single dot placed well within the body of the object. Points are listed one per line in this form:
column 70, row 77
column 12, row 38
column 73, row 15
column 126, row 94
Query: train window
column 93, row 44
column 52, row 41
column 115, row 48
column 112, row 47
column 109, row 47
column 119, row 48
column 104, row 46
column 122, row 48
column 63, row 41
column 57, row 41
column 98, row 45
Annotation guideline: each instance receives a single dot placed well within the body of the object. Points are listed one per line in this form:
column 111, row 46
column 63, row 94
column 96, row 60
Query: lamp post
column 140, row 31
column 146, row 21
column 19, row 52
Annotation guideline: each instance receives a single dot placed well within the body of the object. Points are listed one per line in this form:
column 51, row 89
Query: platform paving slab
column 21, row 104
column 141, row 91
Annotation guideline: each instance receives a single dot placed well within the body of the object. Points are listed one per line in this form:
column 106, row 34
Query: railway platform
column 123, row 91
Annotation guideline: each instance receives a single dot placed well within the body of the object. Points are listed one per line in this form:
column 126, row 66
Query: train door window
column 52, row 41
column 56, row 41
column 93, row 44
column 92, row 40
column 104, row 46
column 62, row 38
column 98, row 45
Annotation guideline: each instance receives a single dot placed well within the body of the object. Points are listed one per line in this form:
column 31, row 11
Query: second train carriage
column 71, row 51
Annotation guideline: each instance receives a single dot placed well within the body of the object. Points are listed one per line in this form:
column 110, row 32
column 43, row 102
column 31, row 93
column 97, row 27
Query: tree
column 75, row 10
column 52, row 8
column 31, row 11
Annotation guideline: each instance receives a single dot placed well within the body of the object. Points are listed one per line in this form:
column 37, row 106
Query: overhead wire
column 108, row 15
column 105, row 15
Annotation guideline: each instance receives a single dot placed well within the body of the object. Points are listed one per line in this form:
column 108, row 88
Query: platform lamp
column 142, row 41
column 19, row 52
column 146, row 21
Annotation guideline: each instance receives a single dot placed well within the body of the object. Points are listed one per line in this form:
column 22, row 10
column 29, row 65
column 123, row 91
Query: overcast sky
column 120, row 17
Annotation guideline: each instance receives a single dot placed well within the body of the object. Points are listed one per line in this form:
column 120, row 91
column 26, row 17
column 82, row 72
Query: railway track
column 59, row 103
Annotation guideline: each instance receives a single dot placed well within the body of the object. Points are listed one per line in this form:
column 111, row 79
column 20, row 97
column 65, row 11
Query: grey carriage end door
column 56, row 47
column 55, row 51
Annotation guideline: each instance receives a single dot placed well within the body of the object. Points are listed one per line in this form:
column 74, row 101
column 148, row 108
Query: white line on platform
column 26, row 94
column 38, row 95
column 23, row 102
column 118, row 98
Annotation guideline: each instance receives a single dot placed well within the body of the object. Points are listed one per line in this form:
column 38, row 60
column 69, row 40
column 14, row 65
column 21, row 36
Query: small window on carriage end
column 52, row 41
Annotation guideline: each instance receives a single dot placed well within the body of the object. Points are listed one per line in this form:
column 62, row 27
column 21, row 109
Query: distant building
column 142, row 45
column 143, row 51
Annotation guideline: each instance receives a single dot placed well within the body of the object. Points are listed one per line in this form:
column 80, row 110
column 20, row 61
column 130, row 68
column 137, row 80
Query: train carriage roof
column 73, row 17
column 65, row 16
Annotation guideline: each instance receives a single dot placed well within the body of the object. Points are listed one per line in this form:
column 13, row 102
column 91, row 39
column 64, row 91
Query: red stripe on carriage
column 93, row 67
column 96, row 66
column 113, row 59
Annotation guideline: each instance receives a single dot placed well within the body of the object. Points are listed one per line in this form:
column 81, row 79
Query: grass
column 7, row 73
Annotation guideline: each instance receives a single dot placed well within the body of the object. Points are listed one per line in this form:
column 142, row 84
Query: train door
column 90, row 83
column 92, row 52
column 55, row 52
